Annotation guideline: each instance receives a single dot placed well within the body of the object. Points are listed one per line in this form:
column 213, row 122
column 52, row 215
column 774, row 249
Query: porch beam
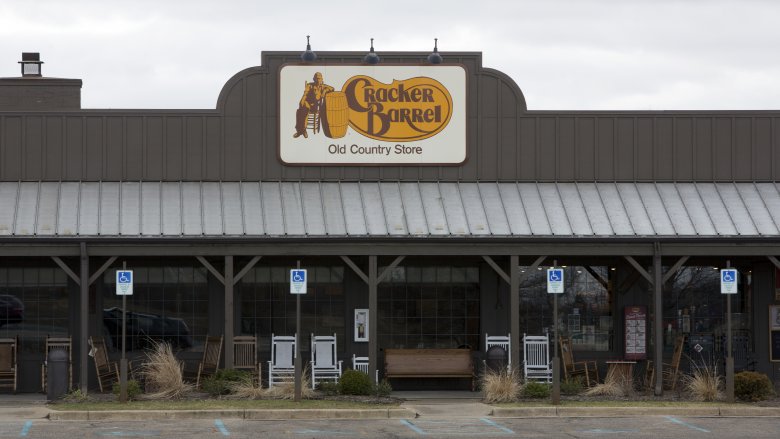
column 640, row 269
column 390, row 268
column 522, row 277
column 658, row 321
column 675, row 268
column 102, row 269
column 597, row 276
column 373, row 343
column 357, row 271
column 497, row 269
column 774, row 261
column 246, row 269
column 211, row 269
column 83, row 319
column 67, row 270
column 514, row 311
column 229, row 315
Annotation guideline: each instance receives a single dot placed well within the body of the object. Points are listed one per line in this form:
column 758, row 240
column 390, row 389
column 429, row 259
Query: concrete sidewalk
column 417, row 405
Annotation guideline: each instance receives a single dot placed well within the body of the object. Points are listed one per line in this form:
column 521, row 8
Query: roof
column 388, row 209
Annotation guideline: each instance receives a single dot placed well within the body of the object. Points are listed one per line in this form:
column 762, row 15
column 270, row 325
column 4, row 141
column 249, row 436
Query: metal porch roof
column 388, row 209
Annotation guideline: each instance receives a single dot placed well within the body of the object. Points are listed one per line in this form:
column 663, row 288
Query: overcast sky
column 564, row 54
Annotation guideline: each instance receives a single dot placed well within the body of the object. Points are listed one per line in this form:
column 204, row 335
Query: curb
column 617, row 412
column 258, row 414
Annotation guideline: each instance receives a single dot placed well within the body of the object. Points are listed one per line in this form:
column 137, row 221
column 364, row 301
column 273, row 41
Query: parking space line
column 683, row 423
column 496, row 425
column 470, row 427
column 413, row 427
column 25, row 429
column 221, row 427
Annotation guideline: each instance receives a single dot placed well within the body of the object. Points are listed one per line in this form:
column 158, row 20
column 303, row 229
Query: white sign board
column 124, row 282
column 728, row 281
column 298, row 281
column 555, row 280
column 372, row 115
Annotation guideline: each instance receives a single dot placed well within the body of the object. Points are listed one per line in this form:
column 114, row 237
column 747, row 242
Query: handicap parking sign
column 298, row 281
column 555, row 280
column 728, row 281
column 124, row 282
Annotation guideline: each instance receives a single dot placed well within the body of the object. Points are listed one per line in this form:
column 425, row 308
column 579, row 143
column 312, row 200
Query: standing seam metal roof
column 388, row 209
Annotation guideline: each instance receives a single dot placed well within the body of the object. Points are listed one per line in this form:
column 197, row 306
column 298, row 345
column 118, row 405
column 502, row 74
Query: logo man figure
column 311, row 101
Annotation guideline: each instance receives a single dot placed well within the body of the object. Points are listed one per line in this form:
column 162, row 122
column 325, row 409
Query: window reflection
column 33, row 305
column 267, row 307
column 169, row 304
column 429, row 307
column 694, row 307
column 584, row 310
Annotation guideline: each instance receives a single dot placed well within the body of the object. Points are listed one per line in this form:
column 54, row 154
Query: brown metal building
column 642, row 207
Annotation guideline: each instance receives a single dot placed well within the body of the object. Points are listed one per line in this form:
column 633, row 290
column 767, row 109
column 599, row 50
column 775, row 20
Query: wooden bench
column 429, row 363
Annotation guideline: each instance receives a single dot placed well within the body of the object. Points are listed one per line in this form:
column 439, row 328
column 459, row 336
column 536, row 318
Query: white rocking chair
column 281, row 368
column 502, row 341
column 536, row 362
column 323, row 359
column 361, row 364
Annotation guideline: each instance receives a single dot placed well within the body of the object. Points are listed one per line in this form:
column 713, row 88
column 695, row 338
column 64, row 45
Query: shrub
column 572, row 386
column 535, row 389
column 286, row 390
column 704, row 383
column 383, row 388
column 133, row 389
column 75, row 395
column 162, row 374
column 752, row 386
column 246, row 388
column 328, row 388
column 500, row 386
column 355, row 382
column 222, row 381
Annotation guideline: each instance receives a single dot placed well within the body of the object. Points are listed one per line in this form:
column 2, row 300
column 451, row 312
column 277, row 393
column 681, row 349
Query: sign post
column 555, row 287
column 124, row 288
column 728, row 286
column 298, row 287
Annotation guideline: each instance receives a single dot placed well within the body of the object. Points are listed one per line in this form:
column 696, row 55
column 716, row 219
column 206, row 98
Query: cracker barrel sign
column 378, row 115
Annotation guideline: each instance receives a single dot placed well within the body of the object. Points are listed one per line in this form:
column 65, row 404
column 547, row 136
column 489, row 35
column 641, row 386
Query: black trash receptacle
column 496, row 359
column 56, row 374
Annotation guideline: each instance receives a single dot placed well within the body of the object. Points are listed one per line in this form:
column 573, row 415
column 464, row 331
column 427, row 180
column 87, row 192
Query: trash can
column 496, row 359
column 56, row 374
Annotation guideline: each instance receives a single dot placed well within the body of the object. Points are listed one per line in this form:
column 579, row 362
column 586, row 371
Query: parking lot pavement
column 651, row 427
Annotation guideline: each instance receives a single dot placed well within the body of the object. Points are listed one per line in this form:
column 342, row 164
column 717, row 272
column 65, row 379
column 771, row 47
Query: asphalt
column 433, row 405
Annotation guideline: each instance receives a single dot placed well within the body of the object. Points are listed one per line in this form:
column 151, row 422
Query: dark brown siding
column 238, row 140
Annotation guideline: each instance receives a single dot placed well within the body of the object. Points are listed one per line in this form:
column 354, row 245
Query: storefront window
column 694, row 307
column 429, row 307
column 33, row 305
column 584, row 309
column 169, row 304
column 267, row 307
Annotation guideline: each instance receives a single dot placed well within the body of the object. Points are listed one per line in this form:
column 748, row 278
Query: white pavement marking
column 462, row 427
column 683, row 423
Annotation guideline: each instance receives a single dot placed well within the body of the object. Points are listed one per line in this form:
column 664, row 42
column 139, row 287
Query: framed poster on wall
column 361, row 325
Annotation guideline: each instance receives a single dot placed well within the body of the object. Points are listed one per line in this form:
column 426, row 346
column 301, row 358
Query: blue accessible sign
column 298, row 281
column 124, row 282
column 555, row 280
column 728, row 281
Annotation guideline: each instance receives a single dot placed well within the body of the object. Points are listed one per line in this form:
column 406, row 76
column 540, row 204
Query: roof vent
column 31, row 64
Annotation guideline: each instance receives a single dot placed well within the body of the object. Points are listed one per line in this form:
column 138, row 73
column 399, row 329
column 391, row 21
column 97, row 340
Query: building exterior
column 424, row 200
